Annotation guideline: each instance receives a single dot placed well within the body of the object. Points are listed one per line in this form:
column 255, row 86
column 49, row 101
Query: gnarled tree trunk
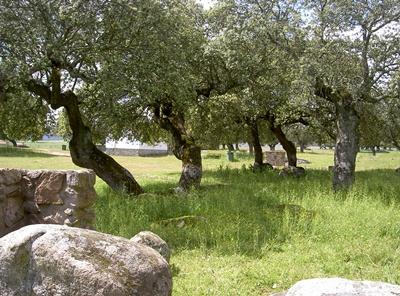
column 85, row 154
column 287, row 145
column 346, row 144
column 183, row 146
column 83, row 151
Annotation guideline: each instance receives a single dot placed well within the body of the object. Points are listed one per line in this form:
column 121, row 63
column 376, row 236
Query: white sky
column 206, row 3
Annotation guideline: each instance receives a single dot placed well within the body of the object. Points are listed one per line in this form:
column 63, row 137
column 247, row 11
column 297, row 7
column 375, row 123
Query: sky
column 206, row 3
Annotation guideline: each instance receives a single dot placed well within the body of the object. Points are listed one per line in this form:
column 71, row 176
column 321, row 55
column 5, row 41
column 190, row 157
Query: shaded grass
column 21, row 152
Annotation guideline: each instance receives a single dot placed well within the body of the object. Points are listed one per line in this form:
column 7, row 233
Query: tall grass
column 243, row 233
column 262, row 232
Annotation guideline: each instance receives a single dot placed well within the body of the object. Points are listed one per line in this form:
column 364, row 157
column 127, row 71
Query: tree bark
column 13, row 142
column 255, row 138
column 346, row 144
column 251, row 148
column 183, row 146
column 85, row 154
column 302, row 147
column 237, row 146
column 191, row 167
column 83, row 151
column 230, row 147
column 287, row 145
column 347, row 121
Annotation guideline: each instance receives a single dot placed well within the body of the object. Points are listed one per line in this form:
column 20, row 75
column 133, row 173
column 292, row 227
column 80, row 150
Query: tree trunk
column 85, row 154
column 302, row 148
column 5, row 137
column 251, row 148
column 287, row 145
column 347, row 121
column 183, row 146
column 255, row 138
column 346, row 144
column 223, row 146
column 191, row 167
column 373, row 150
column 13, row 142
column 230, row 147
column 237, row 146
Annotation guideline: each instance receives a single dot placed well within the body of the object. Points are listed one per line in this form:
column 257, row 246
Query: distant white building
column 50, row 137
column 127, row 147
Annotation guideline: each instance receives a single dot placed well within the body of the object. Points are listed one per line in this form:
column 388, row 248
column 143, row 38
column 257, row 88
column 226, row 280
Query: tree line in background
column 253, row 71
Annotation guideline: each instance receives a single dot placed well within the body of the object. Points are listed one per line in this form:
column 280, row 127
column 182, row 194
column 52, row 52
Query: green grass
column 47, row 145
column 257, row 233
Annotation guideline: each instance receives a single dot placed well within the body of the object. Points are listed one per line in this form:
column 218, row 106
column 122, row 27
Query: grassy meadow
column 243, row 233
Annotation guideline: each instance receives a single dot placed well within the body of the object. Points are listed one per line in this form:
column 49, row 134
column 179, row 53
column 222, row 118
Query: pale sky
column 206, row 3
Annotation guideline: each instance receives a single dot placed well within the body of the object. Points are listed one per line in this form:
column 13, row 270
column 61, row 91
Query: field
column 254, row 234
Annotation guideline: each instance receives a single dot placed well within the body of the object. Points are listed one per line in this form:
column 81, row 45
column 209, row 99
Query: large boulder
column 153, row 241
column 342, row 287
column 60, row 260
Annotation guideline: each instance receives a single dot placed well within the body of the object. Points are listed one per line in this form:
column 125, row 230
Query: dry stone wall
column 46, row 197
column 275, row 158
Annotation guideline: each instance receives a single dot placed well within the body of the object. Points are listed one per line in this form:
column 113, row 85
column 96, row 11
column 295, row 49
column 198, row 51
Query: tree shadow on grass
column 235, row 211
column 230, row 217
column 23, row 152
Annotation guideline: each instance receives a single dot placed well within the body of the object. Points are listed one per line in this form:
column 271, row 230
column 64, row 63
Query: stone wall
column 135, row 152
column 275, row 158
column 49, row 197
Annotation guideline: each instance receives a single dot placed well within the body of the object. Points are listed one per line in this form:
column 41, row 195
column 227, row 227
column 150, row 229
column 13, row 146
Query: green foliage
column 23, row 119
column 62, row 128
column 154, row 57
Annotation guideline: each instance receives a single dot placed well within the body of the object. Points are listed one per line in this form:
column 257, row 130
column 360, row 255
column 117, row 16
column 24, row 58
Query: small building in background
column 125, row 147
column 50, row 137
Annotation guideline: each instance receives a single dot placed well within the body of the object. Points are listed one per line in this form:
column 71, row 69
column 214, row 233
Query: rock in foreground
column 60, row 260
column 342, row 287
column 153, row 241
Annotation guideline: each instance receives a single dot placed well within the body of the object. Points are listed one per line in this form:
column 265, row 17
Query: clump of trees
column 243, row 71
